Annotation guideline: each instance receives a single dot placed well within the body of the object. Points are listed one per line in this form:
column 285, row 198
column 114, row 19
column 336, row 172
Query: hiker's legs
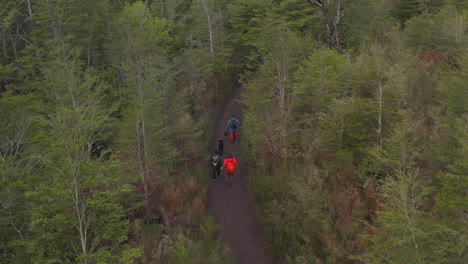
column 232, row 176
column 218, row 170
column 232, row 136
column 228, row 178
column 214, row 172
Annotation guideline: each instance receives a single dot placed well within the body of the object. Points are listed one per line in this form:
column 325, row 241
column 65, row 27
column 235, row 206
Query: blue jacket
column 233, row 119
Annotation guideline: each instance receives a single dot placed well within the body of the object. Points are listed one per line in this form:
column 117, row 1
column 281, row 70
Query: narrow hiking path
column 232, row 206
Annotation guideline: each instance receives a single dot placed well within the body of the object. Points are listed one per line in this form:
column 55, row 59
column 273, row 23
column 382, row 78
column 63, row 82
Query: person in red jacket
column 229, row 166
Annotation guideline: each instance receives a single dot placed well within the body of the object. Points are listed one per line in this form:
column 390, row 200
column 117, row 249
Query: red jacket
column 227, row 167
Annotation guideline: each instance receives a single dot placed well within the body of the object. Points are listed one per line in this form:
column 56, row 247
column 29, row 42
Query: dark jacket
column 228, row 127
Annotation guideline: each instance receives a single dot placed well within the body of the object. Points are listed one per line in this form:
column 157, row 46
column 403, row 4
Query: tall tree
column 211, row 14
column 246, row 23
column 282, row 50
column 83, row 189
column 406, row 232
column 144, row 66
column 19, row 170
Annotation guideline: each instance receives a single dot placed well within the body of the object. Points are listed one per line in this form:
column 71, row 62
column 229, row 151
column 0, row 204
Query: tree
column 406, row 233
column 19, row 171
column 365, row 21
column 321, row 79
column 298, row 14
column 405, row 9
column 442, row 32
column 349, row 125
column 332, row 17
column 78, row 190
column 246, row 23
column 209, row 13
column 172, row 10
column 146, row 71
column 282, row 49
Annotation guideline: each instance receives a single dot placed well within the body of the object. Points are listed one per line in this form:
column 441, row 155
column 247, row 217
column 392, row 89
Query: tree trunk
column 29, row 9
column 379, row 117
column 210, row 28
column 332, row 22
column 142, row 139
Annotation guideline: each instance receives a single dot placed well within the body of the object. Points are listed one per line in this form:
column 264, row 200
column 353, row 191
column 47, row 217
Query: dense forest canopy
column 354, row 128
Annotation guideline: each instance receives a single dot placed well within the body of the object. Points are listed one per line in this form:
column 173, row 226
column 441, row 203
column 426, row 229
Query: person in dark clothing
column 232, row 125
column 216, row 164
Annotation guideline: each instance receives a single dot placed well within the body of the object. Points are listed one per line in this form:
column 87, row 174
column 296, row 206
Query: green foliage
column 255, row 99
column 181, row 255
column 137, row 33
column 363, row 21
column 452, row 201
column 443, row 31
column 19, row 123
column 453, row 96
column 149, row 80
column 205, row 251
column 13, row 23
column 207, row 19
column 246, row 22
column 172, row 10
column 406, row 233
column 129, row 255
column 98, row 94
column 399, row 151
column 319, row 81
column 282, row 51
column 405, row 9
column 297, row 14
column 75, row 185
column 349, row 125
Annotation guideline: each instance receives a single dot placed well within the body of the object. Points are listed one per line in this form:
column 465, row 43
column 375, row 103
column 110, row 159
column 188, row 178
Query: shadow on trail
column 232, row 206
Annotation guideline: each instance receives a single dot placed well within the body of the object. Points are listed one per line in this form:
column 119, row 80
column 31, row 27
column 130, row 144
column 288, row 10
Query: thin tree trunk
column 282, row 72
column 79, row 202
column 142, row 141
column 210, row 28
column 29, row 9
column 379, row 117
column 81, row 215
column 4, row 45
column 13, row 45
column 459, row 30
column 89, row 52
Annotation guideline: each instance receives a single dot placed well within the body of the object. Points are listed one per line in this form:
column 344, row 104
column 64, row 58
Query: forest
column 355, row 131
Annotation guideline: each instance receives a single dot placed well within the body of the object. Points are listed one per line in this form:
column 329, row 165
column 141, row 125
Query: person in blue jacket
column 232, row 125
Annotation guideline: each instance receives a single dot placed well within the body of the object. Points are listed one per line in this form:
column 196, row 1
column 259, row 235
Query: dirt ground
column 231, row 205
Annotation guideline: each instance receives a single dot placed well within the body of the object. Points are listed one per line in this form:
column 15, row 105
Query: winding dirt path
column 232, row 206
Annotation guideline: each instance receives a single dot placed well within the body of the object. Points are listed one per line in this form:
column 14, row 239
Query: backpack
column 230, row 166
column 215, row 160
column 233, row 124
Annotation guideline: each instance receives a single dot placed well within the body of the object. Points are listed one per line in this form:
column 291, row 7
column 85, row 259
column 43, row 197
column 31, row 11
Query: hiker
column 232, row 125
column 229, row 166
column 216, row 164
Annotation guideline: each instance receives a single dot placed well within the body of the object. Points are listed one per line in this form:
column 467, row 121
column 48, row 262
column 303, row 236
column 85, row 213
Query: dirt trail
column 232, row 205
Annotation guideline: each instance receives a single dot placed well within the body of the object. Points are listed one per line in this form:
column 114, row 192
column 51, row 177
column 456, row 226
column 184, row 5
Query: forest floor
column 232, row 205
